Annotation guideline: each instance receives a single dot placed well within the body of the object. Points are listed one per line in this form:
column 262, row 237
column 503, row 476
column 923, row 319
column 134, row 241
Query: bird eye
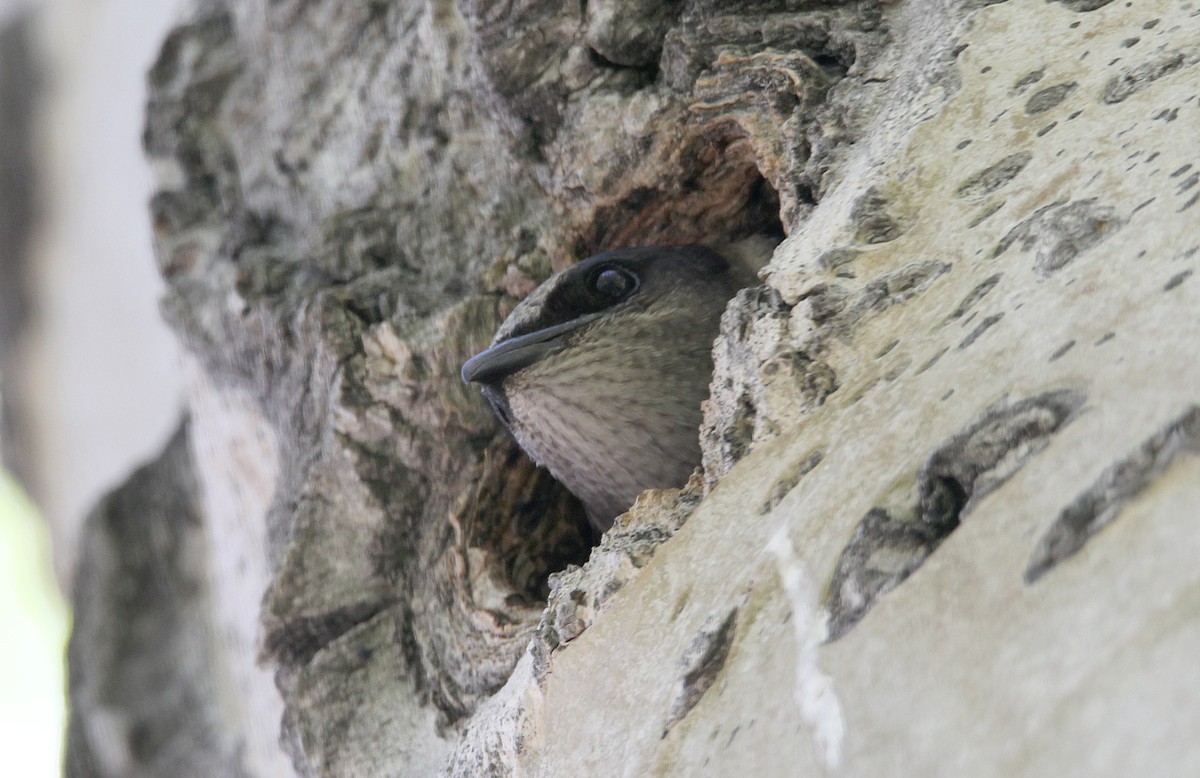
column 614, row 282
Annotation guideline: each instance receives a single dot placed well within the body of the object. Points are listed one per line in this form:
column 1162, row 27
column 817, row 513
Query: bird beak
column 509, row 356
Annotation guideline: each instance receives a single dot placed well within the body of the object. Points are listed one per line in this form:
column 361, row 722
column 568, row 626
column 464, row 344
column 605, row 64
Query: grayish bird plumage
column 599, row 374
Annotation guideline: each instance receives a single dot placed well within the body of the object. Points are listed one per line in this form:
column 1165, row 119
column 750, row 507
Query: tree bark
column 943, row 521
column 20, row 79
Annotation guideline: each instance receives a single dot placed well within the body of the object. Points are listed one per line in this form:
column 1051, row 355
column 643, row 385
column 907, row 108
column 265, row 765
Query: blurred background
column 89, row 374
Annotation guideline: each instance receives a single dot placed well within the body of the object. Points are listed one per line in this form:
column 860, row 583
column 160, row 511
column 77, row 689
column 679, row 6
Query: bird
column 599, row 374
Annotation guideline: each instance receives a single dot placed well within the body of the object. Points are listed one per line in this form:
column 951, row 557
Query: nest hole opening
column 717, row 197
column 528, row 525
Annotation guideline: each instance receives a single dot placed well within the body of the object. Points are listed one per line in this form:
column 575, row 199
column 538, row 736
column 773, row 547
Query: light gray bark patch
column 740, row 432
column 1059, row 232
column 974, row 296
column 701, row 663
column 1045, row 99
column 1103, row 502
column 882, row 553
column 871, row 220
column 1061, row 350
column 995, row 176
column 1029, row 79
column 987, row 453
column 841, row 314
column 578, row 592
column 1133, row 80
column 629, row 33
column 836, row 260
column 1142, row 205
column 755, row 367
column 886, row 549
column 980, row 328
column 366, row 663
column 812, row 378
column 195, row 68
column 900, row 286
column 295, row 642
column 1083, row 6
column 933, row 360
column 1176, row 280
column 1047, row 129
column 786, row 483
column 827, row 303
column 985, row 214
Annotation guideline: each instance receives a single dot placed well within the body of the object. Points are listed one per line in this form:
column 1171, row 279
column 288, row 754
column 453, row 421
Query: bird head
column 600, row 372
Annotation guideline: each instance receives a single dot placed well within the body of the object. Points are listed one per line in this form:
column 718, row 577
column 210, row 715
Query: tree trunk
column 944, row 520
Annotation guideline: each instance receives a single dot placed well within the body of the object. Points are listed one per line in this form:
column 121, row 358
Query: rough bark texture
column 943, row 524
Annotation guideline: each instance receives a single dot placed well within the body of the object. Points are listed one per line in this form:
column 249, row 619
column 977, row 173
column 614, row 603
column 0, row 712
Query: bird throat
column 610, row 426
